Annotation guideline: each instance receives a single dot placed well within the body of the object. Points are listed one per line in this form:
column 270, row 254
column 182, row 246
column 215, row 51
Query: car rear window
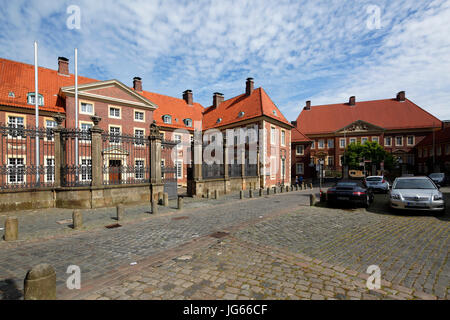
column 436, row 175
column 377, row 179
column 414, row 184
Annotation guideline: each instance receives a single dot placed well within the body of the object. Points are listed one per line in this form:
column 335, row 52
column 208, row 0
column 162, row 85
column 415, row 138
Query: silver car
column 416, row 193
column 377, row 183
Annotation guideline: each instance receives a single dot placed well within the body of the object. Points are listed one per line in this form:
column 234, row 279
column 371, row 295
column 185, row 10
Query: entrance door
column 115, row 176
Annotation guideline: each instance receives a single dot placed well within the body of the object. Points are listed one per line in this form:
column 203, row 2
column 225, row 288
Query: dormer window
column 31, row 97
column 167, row 119
column 219, row 120
column 274, row 113
column 11, row 95
column 241, row 114
column 187, row 122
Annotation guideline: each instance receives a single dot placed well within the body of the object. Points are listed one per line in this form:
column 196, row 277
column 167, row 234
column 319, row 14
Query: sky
column 323, row 51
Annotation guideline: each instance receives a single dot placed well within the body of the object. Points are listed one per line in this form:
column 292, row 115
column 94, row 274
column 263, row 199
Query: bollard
column 296, row 187
column 274, row 190
column 241, row 194
column 260, row 192
column 180, row 203
column 77, row 219
column 287, row 188
column 268, row 191
column 292, row 188
column 250, row 193
column 11, row 229
column 216, row 194
column 160, row 197
column 165, row 199
column 281, row 189
column 40, row 283
column 303, row 186
column 312, row 200
column 311, row 186
column 120, row 212
column 154, row 207
column 208, row 194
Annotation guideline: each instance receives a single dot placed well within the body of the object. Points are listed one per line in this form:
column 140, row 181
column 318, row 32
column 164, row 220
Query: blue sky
column 315, row 50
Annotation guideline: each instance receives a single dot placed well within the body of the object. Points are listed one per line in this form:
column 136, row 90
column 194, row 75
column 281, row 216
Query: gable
column 360, row 126
column 111, row 91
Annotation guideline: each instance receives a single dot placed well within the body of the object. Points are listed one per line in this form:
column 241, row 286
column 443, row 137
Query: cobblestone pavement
column 233, row 269
column 99, row 251
column 276, row 248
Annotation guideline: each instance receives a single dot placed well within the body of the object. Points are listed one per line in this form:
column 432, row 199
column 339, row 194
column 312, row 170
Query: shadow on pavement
column 9, row 290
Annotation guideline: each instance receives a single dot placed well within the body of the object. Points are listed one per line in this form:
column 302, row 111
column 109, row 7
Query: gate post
column 156, row 184
column 59, row 152
column 198, row 157
column 96, row 156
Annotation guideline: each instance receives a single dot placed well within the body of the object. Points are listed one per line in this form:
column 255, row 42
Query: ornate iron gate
column 169, row 168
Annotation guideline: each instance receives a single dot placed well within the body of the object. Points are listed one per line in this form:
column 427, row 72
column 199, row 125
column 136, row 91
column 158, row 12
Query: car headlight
column 395, row 196
column 437, row 197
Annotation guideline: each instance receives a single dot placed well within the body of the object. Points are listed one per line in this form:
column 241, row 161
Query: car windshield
column 414, row 184
column 372, row 179
column 436, row 175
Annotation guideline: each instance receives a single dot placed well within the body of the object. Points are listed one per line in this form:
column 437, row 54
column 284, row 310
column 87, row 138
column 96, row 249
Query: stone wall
column 199, row 188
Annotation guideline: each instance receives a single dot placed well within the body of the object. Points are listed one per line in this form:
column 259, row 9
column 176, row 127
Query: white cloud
column 297, row 50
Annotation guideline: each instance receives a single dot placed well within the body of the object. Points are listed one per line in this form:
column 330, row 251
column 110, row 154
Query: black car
column 352, row 192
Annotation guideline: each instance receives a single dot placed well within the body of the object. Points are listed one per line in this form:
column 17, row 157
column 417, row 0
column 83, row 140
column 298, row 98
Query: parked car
column 378, row 183
column 438, row 178
column 416, row 193
column 354, row 192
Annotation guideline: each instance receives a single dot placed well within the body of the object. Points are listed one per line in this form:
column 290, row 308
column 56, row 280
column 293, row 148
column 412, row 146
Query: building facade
column 433, row 152
column 397, row 124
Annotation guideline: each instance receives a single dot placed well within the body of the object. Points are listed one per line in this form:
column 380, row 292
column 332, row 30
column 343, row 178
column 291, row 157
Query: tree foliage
column 371, row 150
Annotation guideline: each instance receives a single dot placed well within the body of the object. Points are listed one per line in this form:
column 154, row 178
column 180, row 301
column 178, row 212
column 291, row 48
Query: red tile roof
column 388, row 114
column 297, row 136
column 177, row 108
column 18, row 78
column 441, row 136
column 255, row 105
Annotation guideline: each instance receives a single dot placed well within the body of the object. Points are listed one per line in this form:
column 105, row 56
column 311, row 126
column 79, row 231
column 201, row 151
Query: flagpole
column 76, row 114
column 36, row 106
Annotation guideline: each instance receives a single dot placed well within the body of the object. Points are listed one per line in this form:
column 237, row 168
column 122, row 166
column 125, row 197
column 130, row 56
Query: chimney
column 187, row 96
column 249, row 86
column 352, row 101
column 294, row 123
column 137, row 84
column 217, row 99
column 63, row 66
column 401, row 96
column 308, row 105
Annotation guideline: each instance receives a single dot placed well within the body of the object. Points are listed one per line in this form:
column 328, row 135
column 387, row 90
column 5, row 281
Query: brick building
column 325, row 131
column 437, row 160
column 254, row 109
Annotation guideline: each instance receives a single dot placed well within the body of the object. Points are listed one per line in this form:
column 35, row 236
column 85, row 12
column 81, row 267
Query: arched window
column 188, row 122
column 219, row 120
column 167, row 119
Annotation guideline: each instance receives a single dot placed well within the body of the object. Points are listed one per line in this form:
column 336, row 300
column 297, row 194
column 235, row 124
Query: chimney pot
column 294, row 123
column 401, row 96
column 217, row 99
column 137, row 84
column 352, row 101
column 308, row 105
column 63, row 66
column 187, row 96
column 249, row 86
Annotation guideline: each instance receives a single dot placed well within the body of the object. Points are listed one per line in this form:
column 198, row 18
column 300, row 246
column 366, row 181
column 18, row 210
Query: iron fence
column 18, row 165
column 212, row 171
column 251, row 170
column 235, row 170
column 126, row 158
column 76, row 164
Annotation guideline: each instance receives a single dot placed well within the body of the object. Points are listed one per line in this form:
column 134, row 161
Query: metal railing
column 76, row 164
column 126, row 159
column 18, row 167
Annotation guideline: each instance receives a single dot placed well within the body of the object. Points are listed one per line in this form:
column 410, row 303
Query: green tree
column 371, row 150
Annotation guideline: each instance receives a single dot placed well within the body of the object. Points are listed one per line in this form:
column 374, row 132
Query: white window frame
column 15, row 124
column 376, row 139
column 330, row 159
column 31, row 96
column 168, row 117
column 413, row 140
column 114, row 116
column 81, row 123
column 136, row 137
column 321, row 142
column 136, row 169
column 396, row 144
column 23, row 165
column 313, row 144
column 113, row 140
column 46, row 166
column 364, row 138
column 179, row 168
column 302, row 166
column 86, row 112
column 302, row 153
column 330, row 146
column 340, row 143
column 386, row 139
column 352, row 140
column 179, row 138
column 283, row 138
column 141, row 112
column 88, row 173
column 273, row 135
